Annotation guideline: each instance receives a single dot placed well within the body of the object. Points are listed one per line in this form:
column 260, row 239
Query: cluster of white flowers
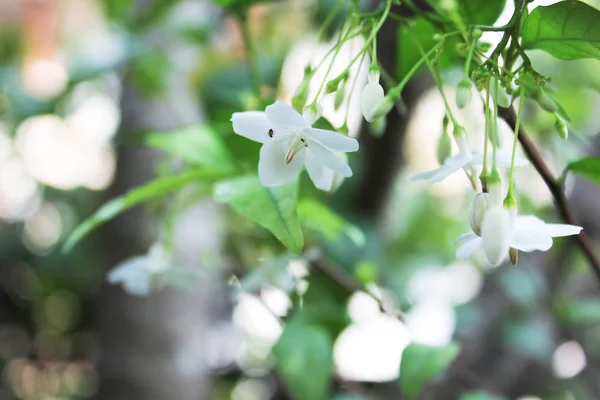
column 289, row 142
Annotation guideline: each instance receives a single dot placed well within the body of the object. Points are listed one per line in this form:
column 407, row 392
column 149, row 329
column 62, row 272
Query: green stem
column 330, row 66
column 252, row 65
column 514, row 149
column 329, row 19
column 469, row 58
column 484, row 170
column 438, row 82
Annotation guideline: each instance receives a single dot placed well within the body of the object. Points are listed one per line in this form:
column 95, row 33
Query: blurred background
column 82, row 83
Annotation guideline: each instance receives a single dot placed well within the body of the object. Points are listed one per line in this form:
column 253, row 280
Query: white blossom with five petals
column 289, row 142
column 525, row 233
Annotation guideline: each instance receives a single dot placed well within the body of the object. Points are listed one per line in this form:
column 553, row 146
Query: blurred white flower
column 465, row 159
column 289, row 142
column 141, row 274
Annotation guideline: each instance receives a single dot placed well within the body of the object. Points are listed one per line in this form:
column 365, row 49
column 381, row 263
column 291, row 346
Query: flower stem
column 510, row 193
column 484, row 171
column 252, row 65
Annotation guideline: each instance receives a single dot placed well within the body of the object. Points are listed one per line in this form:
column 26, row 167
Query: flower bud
column 545, row 101
column 371, row 98
column 514, row 255
column 499, row 94
column 463, row 93
column 561, row 127
column 340, row 95
column 378, row 126
column 477, row 33
column 495, row 233
column 444, row 148
column 476, row 211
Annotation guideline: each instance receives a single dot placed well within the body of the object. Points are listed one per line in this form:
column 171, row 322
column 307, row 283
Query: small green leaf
column 318, row 218
column 484, row 12
column 588, row 167
column 156, row 188
column 197, row 145
column 568, row 30
column 304, row 360
column 420, row 364
column 273, row 208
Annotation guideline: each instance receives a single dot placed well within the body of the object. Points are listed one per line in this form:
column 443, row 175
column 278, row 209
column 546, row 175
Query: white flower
column 526, row 233
column 136, row 274
column 372, row 97
column 465, row 159
column 289, row 142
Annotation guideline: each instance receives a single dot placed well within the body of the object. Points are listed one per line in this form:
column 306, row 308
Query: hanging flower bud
column 378, row 126
column 463, row 93
column 499, row 94
column 561, row 127
column 545, row 101
column 495, row 234
column 299, row 99
column 340, row 95
column 476, row 211
column 514, row 255
column 444, row 149
column 372, row 96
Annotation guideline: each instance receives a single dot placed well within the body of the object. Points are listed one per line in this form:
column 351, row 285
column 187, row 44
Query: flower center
column 297, row 143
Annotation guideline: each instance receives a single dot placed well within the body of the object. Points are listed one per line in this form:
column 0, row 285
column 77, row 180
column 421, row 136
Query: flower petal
column 285, row 116
column 560, row 230
column 530, row 222
column 328, row 158
column 272, row 169
column 529, row 240
column 322, row 177
column 469, row 248
column 253, row 125
column 465, row 237
column 332, row 140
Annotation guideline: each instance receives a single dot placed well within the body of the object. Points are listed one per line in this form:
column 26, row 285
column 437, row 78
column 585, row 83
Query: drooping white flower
column 136, row 273
column 139, row 275
column 289, row 142
column 465, row 159
column 371, row 97
column 526, row 233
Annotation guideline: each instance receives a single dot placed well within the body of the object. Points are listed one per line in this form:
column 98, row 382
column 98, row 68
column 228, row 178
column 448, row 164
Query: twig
column 556, row 189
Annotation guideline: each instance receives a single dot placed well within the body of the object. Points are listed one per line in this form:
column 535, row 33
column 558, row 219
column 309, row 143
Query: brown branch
column 556, row 189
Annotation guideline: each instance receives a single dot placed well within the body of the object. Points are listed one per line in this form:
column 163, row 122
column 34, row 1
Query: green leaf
column 304, row 360
column 197, row 145
column 318, row 218
column 567, row 30
column 484, row 12
column 420, row 364
column 273, row 208
column 588, row 167
column 155, row 188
